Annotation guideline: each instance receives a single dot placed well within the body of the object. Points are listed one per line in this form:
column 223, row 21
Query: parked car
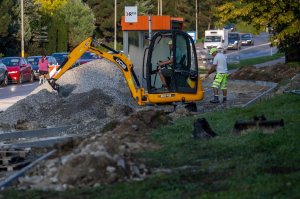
column 34, row 61
column 234, row 40
column 87, row 57
column 19, row 69
column 3, row 74
column 60, row 57
column 247, row 39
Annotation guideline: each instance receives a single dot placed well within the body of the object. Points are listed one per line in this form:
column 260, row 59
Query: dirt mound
column 100, row 159
column 274, row 73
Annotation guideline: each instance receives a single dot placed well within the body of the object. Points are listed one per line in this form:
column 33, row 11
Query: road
column 261, row 48
column 12, row 93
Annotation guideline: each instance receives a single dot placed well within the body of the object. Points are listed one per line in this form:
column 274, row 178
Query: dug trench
column 98, row 105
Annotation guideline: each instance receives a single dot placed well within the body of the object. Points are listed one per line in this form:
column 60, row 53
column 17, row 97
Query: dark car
column 34, row 61
column 247, row 39
column 19, row 69
column 60, row 57
column 3, row 74
column 234, row 41
column 87, row 57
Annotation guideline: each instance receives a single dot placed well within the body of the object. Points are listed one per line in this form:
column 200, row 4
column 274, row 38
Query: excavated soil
column 274, row 73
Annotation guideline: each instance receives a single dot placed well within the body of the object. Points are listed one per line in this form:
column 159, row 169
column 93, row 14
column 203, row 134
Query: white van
column 216, row 39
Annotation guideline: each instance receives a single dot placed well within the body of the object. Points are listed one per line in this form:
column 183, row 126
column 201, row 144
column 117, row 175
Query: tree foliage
column 50, row 6
column 79, row 19
column 282, row 15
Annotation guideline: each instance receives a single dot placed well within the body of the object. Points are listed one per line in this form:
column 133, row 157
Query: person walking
column 220, row 80
column 43, row 69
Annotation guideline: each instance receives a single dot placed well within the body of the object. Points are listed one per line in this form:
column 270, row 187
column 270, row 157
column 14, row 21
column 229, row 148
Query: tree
column 145, row 7
column 50, row 6
column 282, row 16
column 80, row 21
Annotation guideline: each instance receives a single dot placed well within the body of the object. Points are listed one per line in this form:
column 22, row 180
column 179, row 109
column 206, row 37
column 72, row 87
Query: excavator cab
column 181, row 75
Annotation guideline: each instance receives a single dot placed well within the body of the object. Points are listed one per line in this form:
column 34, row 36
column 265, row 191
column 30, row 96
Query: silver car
column 247, row 39
column 3, row 74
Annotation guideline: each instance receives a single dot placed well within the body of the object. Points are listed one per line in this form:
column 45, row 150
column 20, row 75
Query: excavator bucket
column 202, row 129
column 258, row 123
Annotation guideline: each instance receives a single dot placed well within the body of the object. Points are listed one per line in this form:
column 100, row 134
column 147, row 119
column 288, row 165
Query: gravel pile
column 92, row 95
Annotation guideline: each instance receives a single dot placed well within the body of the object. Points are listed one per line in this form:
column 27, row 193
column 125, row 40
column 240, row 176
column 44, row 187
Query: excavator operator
column 164, row 70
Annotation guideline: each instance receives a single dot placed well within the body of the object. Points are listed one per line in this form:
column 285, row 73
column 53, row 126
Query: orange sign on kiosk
column 157, row 23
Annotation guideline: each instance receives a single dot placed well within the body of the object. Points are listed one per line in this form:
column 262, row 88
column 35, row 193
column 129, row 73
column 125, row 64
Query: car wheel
column 20, row 79
column 31, row 77
column 5, row 81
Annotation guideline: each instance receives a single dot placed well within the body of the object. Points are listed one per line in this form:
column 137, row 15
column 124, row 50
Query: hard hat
column 170, row 42
column 213, row 50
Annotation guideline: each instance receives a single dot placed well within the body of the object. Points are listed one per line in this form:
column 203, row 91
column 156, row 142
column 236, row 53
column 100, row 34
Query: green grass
column 253, row 165
column 256, row 60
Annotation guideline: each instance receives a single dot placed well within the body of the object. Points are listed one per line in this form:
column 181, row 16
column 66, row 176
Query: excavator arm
column 124, row 64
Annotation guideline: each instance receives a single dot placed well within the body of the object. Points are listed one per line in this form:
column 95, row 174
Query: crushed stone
column 97, row 93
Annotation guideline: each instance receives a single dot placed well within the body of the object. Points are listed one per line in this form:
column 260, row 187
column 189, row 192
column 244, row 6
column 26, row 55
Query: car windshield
column 34, row 60
column 212, row 39
column 11, row 61
column 247, row 36
column 233, row 36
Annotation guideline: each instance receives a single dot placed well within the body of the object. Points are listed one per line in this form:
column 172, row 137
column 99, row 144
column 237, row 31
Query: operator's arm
column 161, row 63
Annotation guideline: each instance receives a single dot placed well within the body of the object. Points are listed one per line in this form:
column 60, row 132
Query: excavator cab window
column 181, row 74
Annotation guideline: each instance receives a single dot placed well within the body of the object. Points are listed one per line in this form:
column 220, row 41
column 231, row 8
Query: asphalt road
column 261, row 48
column 14, row 92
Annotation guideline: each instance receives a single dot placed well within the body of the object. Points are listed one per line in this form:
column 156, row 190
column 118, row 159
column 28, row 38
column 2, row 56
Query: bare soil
column 274, row 73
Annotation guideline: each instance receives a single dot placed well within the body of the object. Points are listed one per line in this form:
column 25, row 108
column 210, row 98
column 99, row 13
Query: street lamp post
column 115, row 35
column 196, row 20
column 22, row 29
column 158, row 4
column 159, row 7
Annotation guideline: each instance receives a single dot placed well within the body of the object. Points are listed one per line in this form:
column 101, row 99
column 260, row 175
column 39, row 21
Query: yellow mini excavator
column 183, row 81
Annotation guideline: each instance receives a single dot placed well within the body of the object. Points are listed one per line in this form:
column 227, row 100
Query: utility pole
column 158, row 7
column 22, row 29
column 115, row 36
column 161, row 7
column 196, row 20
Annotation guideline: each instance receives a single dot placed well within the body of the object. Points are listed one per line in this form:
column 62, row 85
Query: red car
column 19, row 69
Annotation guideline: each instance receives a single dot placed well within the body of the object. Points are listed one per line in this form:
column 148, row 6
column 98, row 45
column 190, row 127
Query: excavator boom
column 119, row 59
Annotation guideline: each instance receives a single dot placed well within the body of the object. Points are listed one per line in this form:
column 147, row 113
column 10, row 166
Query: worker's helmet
column 170, row 42
column 213, row 50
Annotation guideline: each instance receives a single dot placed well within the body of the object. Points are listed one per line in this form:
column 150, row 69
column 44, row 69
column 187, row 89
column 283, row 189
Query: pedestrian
column 43, row 69
column 220, row 80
